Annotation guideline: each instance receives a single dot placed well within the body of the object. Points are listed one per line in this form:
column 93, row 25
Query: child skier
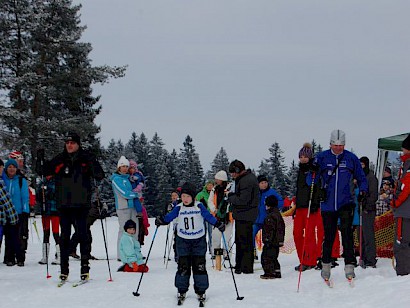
column 190, row 242
column 273, row 235
column 130, row 249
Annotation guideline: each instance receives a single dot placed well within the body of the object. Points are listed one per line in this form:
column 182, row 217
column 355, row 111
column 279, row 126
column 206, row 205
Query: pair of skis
column 74, row 285
column 201, row 300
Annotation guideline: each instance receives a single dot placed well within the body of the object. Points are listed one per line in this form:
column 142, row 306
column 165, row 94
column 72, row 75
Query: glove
column 159, row 221
column 134, row 266
column 220, row 225
column 361, row 198
column 314, row 167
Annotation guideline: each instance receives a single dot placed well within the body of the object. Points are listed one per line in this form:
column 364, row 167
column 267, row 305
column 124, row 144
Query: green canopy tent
column 385, row 145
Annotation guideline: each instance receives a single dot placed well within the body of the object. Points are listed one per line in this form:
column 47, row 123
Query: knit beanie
column 188, row 189
column 72, row 136
column 271, row 201
column 306, row 150
column 133, row 164
column 123, row 162
column 11, row 162
column 16, row 155
column 406, row 143
column 221, row 175
column 338, row 137
column 262, row 178
column 130, row 224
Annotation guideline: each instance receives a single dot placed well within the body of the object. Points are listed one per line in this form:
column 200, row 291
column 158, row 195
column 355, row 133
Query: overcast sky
column 245, row 74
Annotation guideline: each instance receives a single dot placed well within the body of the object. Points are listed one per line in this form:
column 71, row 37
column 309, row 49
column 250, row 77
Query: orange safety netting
column 383, row 228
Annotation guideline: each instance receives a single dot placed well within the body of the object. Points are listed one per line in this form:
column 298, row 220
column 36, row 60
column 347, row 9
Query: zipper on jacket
column 336, row 181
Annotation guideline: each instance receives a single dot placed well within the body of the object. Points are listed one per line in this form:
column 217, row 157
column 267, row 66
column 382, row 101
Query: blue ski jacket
column 123, row 194
column 337, row 173
column 261, row 207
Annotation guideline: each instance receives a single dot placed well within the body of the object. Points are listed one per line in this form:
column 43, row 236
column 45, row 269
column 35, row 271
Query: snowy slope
column 28, row 286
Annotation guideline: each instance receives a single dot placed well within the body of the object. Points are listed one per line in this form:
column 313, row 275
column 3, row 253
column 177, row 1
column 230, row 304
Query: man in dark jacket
column 74, row 170
column 244, row 201
column 368, row 212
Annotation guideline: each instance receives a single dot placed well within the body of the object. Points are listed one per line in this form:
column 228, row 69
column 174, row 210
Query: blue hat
column 11, row 162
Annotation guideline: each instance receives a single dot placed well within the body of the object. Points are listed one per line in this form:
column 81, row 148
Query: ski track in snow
column 22, row 287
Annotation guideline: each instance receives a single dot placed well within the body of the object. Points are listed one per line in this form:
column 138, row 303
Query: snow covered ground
column 28, row 286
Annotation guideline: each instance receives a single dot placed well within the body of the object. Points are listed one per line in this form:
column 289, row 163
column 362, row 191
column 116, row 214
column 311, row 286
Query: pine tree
column 173, row 171
column 220, row 162
column 131, row 148
column 276, row 170
column 292, row 177
column 158, row 185
column 190, row 168
column 46, row 76
column 109, row 160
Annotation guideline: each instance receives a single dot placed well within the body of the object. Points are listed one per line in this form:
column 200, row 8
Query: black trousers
column 368, row 240
column 269, row 260
column 244, row 246
column 76, row 217
column 401, row 246
column 13, row 251
column 330, row 219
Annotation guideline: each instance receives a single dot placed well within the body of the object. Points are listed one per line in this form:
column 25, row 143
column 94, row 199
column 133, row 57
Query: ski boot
column 325, row 273
column 201, row 299
column 181, row 298
column 349, row 271
column 85, row 276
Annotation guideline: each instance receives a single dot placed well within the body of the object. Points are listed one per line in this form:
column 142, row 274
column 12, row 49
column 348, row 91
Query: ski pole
column 47, row 252
column 228, row 252
column 306, row 228
column 146, row 262
column 169, row 248
column 103, row 231
column 361, row 235
column 239, row 298
column 35, row 228
column 166, row 244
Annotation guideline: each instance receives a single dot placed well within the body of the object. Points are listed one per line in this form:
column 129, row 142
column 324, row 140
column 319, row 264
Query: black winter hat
column 271, row 201
column 188, row 189
column 406, row 143
column 130, row 224
column 72, row 136
column 262, row 178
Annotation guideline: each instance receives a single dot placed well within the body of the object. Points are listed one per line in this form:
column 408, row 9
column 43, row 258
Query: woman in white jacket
column 219, row 208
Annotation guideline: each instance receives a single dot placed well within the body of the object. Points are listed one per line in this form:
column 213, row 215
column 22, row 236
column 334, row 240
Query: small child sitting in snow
column 130, row 250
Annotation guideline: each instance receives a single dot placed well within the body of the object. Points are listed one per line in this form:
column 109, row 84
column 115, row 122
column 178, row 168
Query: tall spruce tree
column 46, row 75
column 275, row 169
column 158, row 184
column 109, row 160
column 220, row 162
column 189, row 165
column 173, row 171
column 292, row 177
